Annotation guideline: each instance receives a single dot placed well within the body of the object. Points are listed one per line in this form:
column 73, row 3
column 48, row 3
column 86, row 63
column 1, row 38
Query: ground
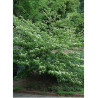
column 21, row 95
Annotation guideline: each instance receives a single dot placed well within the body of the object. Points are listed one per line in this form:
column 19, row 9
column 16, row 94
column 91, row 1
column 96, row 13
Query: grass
column 69, row 93
column 17, row 88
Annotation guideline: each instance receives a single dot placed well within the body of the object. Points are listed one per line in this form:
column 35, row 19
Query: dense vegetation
column 48, row 39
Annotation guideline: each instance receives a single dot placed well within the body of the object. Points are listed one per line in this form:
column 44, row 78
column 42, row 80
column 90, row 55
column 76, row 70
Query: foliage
column 81, row 7
column 48, row 38
column 49, row 11
column 36, row 8
column 41, row 51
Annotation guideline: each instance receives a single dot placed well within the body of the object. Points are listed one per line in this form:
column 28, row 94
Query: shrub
column 44, row 51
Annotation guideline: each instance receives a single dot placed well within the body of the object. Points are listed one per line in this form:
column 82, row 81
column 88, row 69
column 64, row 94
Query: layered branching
column 48, row 39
